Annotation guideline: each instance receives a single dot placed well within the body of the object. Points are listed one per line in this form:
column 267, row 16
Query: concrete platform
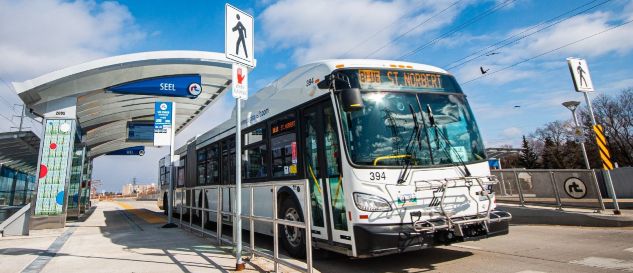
column 543, row 215
column 118, row 237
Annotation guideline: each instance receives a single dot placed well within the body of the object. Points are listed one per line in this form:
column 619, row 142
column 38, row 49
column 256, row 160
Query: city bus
column 393, row 157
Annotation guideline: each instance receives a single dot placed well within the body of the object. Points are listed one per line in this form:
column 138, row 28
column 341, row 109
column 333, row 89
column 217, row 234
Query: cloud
column 511, row 132
column 560, row 35
column 329, row 29
column 37, row 37
column 280, row 66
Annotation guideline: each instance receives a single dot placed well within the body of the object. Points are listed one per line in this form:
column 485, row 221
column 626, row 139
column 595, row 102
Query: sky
column 522, row 43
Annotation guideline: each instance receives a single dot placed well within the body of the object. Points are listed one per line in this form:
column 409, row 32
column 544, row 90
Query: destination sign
column 282, row 126
column 404, row 79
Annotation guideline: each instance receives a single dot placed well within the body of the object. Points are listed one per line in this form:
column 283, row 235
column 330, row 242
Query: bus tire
column 292, row 239
column 165, row 205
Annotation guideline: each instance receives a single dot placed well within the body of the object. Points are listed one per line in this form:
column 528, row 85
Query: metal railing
column 551, row 187
column 189, row 207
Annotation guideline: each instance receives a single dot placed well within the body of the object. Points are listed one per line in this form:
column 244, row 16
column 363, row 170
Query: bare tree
column 615, row 114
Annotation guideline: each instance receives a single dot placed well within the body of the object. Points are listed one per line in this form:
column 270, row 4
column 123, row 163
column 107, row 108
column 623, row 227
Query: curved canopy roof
column 103, row 115
column 19, row 150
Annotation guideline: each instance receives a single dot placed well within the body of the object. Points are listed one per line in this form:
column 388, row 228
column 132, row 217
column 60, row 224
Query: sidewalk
column 118, row 237
column 544, row 215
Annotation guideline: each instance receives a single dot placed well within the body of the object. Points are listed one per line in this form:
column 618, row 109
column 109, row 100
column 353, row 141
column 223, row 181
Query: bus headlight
column 368, row 202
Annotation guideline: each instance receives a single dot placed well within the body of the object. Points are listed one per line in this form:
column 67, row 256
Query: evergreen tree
column 550, row 155
column 528, row 157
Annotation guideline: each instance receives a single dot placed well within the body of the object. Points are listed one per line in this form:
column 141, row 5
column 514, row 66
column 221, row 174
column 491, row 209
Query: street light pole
column 572, row 106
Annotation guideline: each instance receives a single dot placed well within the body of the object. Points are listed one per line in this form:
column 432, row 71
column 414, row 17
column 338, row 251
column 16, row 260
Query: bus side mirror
column 351, row 99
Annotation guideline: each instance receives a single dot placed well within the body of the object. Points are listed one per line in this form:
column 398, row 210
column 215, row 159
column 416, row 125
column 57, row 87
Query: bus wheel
column 292, row 238
column 165, row 208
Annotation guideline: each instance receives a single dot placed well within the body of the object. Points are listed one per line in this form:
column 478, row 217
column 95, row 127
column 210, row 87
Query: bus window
column 284, row 146
column 228, row 161
column 181, row 176
column 255, row 154
column 202, row 155
column 213, row 165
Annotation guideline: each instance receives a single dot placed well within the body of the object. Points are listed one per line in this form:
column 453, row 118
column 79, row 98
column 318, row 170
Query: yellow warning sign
column 605, row 155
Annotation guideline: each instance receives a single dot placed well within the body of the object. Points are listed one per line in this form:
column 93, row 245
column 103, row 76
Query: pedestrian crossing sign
column 580, row 74
column 239, row 38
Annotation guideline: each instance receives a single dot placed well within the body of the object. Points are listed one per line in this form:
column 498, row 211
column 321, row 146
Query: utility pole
column 21, row 116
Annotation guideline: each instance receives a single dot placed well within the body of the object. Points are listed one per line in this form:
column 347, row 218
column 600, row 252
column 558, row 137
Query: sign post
column 164, row 120
column 582, row 82
column 239, row 47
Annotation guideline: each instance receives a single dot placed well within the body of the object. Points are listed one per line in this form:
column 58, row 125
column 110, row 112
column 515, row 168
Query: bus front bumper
column 384, row 239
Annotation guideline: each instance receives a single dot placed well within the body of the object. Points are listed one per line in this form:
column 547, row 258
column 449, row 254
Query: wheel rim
column 293, row 235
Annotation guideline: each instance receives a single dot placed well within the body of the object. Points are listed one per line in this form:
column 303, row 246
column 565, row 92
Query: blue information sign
column 163, row 117
column 172, row 86
column 494, row 164
column 136, row 150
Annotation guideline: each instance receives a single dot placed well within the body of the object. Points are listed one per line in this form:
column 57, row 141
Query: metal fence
column 555, row 187
column 215, row 200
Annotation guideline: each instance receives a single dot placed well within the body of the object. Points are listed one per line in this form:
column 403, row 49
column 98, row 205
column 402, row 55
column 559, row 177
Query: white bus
column 392, row 152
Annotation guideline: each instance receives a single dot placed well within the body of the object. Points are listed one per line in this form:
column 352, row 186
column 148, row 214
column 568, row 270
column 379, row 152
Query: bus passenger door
column 321, row 159
column 313, row 168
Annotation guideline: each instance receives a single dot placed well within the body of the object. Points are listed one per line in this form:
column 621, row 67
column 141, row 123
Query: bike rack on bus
column 445, row 221
column 252, row 218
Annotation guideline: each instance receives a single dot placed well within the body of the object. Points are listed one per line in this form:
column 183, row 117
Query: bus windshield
column 382, row 133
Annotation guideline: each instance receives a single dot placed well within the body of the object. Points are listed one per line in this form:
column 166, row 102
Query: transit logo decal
column 195, row 89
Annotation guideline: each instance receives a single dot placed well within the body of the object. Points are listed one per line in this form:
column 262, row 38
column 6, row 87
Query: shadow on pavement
column 415, row 261
column 126, row 228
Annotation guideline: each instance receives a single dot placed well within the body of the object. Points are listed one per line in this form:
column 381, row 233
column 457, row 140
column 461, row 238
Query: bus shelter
column 106, row 107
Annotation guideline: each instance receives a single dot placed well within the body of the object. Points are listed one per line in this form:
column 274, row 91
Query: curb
column 550, row 216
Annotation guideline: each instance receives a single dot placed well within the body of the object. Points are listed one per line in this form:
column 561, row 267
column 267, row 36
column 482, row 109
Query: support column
column 86, row 184
column 55, row 161
column 74, row 189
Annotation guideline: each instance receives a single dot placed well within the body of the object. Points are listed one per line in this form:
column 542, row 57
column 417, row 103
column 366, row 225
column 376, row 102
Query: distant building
column 134, row 189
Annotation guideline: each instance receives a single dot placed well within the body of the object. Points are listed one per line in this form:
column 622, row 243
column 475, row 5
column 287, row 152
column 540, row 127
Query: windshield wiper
column 465, row 172
column 415, row 135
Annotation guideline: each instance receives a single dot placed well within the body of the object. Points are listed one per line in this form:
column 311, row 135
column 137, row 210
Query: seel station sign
column 172, row 86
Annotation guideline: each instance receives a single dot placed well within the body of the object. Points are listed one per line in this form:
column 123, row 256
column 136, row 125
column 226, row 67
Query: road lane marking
column 605, row 263
column 629, row 249
column 530, row 271
column 146, row 215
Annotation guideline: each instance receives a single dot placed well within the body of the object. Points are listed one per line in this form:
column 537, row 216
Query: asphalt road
column 526, row 249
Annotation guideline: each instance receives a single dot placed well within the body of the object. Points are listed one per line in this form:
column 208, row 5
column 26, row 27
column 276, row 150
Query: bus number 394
column 377, row 176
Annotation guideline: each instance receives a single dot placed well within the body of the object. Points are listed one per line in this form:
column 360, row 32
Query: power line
column 5, row 100
column 10, row 120
column 379, row 31
column 549, row 51
column 460, row 27
column 411, row 29
column 510, row 42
